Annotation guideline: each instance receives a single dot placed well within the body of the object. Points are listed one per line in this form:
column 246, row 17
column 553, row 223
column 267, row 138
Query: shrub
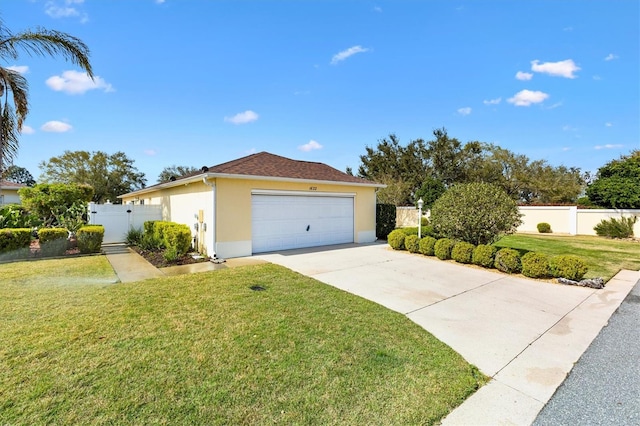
column 149, row 242
column 478, row 213
column 426, row 230
column 424, row 221
column 442, row 248
column 396, row 239
column 90, row 238
column 16, row 216
column 148, row 226
column 14, row 243
column 484, row 255
column 178, row 236
column 53, row 241
column 614, row 228
column 544, row 228
column 385, row 220
column 427, row 245
column 170, row 254
column 462, row 252
column 134, row 236
column 508, row 260
column 412, row 243
column 535, row 265
column 568, row 266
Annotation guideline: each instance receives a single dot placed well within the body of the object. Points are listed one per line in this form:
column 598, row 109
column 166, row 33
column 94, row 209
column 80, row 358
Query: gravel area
column 604, row 386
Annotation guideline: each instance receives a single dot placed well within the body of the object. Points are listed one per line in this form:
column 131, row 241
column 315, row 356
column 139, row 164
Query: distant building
column 9, row 192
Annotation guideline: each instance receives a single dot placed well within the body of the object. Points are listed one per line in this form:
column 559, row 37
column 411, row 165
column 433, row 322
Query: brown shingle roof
column 11, row 185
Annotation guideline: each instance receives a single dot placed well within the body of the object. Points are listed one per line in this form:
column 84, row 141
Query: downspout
column 213, row 212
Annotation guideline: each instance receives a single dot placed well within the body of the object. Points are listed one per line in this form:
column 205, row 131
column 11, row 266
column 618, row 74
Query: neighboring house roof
column 265, row 165
column 5, row 184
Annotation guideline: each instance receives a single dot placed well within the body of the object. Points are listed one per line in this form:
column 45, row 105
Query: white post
column 420, row 203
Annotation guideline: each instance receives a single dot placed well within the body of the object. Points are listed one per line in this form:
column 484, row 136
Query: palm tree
column 38, row 42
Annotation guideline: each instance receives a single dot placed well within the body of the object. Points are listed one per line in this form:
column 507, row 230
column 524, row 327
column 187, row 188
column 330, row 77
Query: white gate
column 118, row 219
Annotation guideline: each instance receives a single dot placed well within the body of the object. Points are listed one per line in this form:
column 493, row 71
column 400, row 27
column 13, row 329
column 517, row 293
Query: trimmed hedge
column 427, row 246
column 90, row 238
column 396, row 239
column 53, row 241
column 169, row 235
column 535, row 265
column 508, row 260
column 412, row 243
column 14, row 242
column 568, row 266
column 385, row 220
column 443, row 247
column 462, row 252
column 484, row 255
column 544, row 228
column 425, row 230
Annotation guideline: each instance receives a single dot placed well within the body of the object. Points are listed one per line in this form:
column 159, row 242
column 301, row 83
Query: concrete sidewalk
column 523, row 333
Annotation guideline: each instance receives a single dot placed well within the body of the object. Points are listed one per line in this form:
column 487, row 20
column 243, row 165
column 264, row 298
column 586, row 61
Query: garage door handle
column 308, row 226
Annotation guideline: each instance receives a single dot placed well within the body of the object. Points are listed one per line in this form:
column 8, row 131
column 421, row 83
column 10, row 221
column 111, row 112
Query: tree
column 175, row 171
column 430, row 191
column 51, row 203
column 109, row 175
column 445, row 156
column 38, row 42
column 478, row 213
column 18, row 174
column 617, row 183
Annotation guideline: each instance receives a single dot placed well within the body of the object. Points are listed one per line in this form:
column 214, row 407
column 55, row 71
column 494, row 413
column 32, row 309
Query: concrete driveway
column 523, row 333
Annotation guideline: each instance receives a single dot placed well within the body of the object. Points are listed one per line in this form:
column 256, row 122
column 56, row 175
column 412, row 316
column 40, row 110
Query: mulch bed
column 36, row 253
column 156, row 258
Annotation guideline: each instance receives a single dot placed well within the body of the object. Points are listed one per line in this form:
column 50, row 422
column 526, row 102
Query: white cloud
column 341, row 56
column 22, row 69
column 608, row 146
column 150, row 152
column 527, row 97
column 56, row 127
column 495, row 101
column 608, row 124
column 464, row 111
column 65, row 9
column 310, row 146
column 27, row 130
column 610, row 57
column 524, row 75
column 250, row 151
column 242, row 118
column 564, row 68
column 160, row 1
column 377, row 9
column 554, row 106
column 76, row 83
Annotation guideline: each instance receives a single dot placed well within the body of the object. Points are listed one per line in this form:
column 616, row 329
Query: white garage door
column 281, row 222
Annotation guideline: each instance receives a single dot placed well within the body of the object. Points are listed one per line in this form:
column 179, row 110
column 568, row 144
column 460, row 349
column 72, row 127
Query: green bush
column 508, row 260
column 396, row 239
column 568, row 266
column 424, row 221
column 53, row 241
column 535, row 265
column 177, row 236
column 544, row 228
column 462, row 252
column 427, row 246
column 90, row 238
column 134, row 236
column 426, row 230
column 385, row 220
column 148, row 226
column 16, row 216
column 478, row 213
column 442, row 248
column 149, row 242
column 170, row 254
column 614, row 228
column 412, row 243
column 484, row 255
column 14, row 243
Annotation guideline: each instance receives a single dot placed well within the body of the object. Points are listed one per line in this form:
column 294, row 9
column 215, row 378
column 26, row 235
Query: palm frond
column 14, row 82
column 9, row 142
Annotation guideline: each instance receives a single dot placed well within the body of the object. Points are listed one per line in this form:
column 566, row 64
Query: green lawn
column 205, row 349
column 604, row 256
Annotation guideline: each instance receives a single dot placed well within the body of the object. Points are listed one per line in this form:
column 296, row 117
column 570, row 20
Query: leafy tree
column 51, row 203
column 617, row 183
column 445, row 157
column 38, row 42
column 430, row 191
column 478, row 213
column 109, row 175
column 175, row 171
column 18, row 174
column 553, row 185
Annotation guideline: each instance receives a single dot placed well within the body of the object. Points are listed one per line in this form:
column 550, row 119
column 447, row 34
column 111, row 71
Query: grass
column 605, row 257
column 205, row 349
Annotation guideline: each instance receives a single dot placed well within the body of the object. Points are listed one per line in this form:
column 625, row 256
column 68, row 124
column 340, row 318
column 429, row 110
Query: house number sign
column 313, row 188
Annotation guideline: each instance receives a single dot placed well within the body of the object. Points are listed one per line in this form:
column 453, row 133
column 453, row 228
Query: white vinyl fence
column 118, row 219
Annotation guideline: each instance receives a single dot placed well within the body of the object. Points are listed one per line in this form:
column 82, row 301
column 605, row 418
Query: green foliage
column 484, row 255
column 412, row 243
column 535, row 265
column 385, row 220
column 162, row 234
column 176, row 171
column 18, row 174
column 442, row 248
column 478, row 213
column 170, row 254
column 544, row 228
column 396, row 239
column 430, row 191
column 617, row 183
column 427, row 246
column 50, row 202
column 90, row 238
column 426, row 230
column 462, row 252
column 75, row 217
column 53, row 241
column 424, row 221
column 568, row 266
column 16, row 216
column 148, row 226
column 109, row 175
column 508, row 260
column 14, row 243
column 150, row 242
column 614, row 228
column 134, row 236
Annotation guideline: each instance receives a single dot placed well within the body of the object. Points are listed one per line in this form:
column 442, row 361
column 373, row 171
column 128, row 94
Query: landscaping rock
column 596, row 283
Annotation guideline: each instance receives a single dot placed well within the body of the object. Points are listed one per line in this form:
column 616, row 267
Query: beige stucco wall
column 9, row 196
column 587, row 219
column 570, row 219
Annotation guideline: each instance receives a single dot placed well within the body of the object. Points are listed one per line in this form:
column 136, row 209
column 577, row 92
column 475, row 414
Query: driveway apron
column 523, row 333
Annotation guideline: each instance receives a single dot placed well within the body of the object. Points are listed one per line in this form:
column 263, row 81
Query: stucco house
column 9, row 192
column 265, row 202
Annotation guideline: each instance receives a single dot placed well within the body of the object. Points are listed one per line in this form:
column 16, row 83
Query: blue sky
column 196, row 83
